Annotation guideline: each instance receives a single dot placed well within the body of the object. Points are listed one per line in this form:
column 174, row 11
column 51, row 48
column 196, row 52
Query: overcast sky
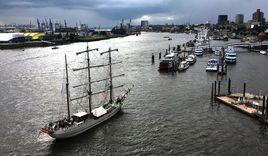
column 106, row 13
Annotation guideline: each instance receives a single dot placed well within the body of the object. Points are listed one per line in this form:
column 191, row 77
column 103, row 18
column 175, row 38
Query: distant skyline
column 107, row 13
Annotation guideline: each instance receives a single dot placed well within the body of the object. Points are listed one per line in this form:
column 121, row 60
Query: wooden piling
column 215, row 88
column 229, row 86
column 219, row 87
column 263, row 105
column 244, row 90
column 160, row 55
column 212, row 91
column 266, row 112
column 152, row 57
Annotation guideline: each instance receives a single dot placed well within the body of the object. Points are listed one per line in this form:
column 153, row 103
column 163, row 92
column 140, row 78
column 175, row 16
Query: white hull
column 263, row 52
column 88, row 124
column 212, row 68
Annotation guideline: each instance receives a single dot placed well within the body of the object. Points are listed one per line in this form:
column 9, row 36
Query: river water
column 165, row 114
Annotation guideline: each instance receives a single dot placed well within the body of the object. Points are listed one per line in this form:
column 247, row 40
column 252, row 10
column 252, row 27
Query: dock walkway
column 250, row 104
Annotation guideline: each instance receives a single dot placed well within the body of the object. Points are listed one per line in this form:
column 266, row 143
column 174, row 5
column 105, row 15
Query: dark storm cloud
column 175, row 11
column 43, row 3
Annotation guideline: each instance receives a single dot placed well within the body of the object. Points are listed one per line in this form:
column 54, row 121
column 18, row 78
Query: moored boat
column 217, row 52
column 263, row 52
column 191, row 59
column 184, row 65
column 212, row 65
column 230, row 55
column 170, row 62
column 198, row 51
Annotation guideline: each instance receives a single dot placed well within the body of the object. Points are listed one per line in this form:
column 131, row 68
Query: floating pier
column 252, row 105
column 248, row 106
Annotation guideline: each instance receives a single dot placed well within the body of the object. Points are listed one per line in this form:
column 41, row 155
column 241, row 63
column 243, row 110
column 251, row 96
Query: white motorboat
column 198, row 51
column 212, row 64
column 263, row 52
column 191, row 59
column 184, row 65
column 230, row 55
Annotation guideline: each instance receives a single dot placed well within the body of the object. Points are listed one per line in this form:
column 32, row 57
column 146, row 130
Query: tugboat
column 82, row 121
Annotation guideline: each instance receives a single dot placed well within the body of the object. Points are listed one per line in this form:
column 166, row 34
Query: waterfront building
column 11, row 37
column 7, row 29
column 239, row 19
column 258, row 16
column 144, row 24
column 222, row 19
column 252, row 23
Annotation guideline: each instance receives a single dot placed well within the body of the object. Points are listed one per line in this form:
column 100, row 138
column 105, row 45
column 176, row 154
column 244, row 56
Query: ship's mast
column 67, row 88
column 110, row 76
column 110, row 72
column 89, row 82
column 89, row 92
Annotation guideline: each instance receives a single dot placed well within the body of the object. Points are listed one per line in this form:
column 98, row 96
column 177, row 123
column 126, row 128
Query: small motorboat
column 169, row 39
column 217, row 52
column 263, row 52
column 198, row 51
column 55, row 48
column 212, row 64
column 184, row 65
column 191, row 59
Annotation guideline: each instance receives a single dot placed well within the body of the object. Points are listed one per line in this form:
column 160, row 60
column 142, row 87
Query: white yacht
column 191, row 59
column 212, row 64
column 198, row 51
column 230, row 55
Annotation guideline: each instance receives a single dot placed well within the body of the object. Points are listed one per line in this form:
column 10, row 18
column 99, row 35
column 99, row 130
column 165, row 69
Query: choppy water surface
column 165, row 114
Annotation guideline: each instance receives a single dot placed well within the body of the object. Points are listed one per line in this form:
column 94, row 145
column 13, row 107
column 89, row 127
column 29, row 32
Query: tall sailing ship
column 84, row 120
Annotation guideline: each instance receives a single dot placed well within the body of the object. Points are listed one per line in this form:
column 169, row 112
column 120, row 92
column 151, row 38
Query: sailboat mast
column 89, row 92
column 89, row 82
column 67, row 88
column 110, row 74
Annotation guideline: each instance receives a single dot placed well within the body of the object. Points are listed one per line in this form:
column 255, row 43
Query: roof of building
column 34, row 35
column 5, row 37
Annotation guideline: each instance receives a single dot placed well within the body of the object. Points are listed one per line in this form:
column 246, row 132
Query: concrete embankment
column 55, row 42
column 25, row 44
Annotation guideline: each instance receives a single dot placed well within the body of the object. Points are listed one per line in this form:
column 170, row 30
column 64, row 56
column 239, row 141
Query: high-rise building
column 144, row 24
column 258, row 16
column 222, row 19
column 239, row 19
